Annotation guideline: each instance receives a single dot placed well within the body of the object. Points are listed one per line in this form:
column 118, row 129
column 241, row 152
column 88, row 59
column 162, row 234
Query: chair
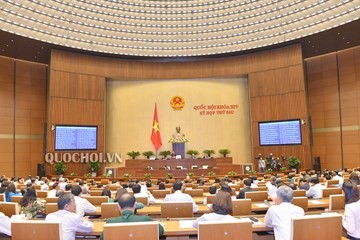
column 16, row 199
column 97, row 200
column 337, row 202
column 2, row 197
column 51, row 199
column 104, row 181
column 299, row 193
column 132, row 231
column 210, row 198
column 41, row 193
column 241, row 207
column 204, row 188
column 160, row 193
column 176, row 209
column 50, row 208
column 37, row 187
column 95, row 192
column 326, row 192
column 257, row 196
column 9, row 208
column 36, row 230
column 109, row 210
column 225, row 230
column 331, row 183
column 114, row 187
column 327, row 226
column 143, row 200
column 261, row 188
column 301, row 202
column 195, row 192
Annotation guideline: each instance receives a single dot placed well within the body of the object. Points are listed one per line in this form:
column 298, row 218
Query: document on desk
column 261, row 205
column 186, row 223
column 158, row 201
column 316, row 202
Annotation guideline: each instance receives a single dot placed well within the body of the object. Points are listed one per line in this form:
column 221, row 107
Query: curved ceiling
column 164, row 28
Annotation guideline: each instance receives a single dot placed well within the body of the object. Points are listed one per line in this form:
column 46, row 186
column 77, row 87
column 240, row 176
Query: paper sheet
column 261, row 205
column 186, row 223
column 316, row 202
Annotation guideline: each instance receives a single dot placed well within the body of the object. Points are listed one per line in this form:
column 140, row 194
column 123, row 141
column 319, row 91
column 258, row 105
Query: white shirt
column 83, row 206
column 70, row 223
column 214, row 217
column 341, row 181
column 52, row 193
column 178, row 196
column 315, row 191
column 271, row 190
column 5, row 225
column 279, row 217
column 44, row 187
column 351, row 221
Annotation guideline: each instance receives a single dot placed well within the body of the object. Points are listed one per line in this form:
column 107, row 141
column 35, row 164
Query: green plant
column 107, row 175
column 190, row 174
column 133, row 154
column 251, row 172
column 269, row 170
column 87, row 175
column 232, row 173
column 147, row 175
column 72, row 174
column 192, row 152
column 60, row 168
column 127, row 175
column 165, row 153
column 224, row 152
column 293, row 162
column 94, row 166
column 212, row 173
column 148, row 154
column 169, row 175
column 208, row 152
column 283, row 169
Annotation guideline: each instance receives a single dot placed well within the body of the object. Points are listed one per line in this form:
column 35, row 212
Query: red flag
column 155, row 132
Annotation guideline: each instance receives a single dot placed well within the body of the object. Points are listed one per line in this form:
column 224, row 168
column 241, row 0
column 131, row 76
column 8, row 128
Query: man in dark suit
column 127, row 207
column 247, row 188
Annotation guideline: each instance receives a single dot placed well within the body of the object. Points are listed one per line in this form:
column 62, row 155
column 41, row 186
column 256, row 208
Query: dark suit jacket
column 242, row 192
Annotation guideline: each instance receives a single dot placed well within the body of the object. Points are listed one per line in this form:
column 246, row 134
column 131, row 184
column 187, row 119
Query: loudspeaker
column 317, row 164
column 41, row 170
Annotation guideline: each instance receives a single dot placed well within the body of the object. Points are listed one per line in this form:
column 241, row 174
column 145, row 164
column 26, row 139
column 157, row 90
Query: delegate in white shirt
column 315, row 191
column 214, row 217
column 279, row 218
column 351, row 220
column 83, row 206
column 70, row 223
column 178, row 196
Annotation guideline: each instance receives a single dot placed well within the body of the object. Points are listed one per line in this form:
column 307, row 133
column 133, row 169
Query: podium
column 179, row 149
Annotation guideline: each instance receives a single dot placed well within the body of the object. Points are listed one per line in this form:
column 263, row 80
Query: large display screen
column 284, row 132
column 75, row 137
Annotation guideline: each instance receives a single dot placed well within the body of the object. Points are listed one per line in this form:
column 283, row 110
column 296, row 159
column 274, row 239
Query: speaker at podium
column 317, row 164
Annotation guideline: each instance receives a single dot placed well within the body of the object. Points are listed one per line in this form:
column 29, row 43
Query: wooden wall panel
column 333, row 82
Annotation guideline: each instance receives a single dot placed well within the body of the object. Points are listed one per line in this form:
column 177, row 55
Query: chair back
column 176, row 209
column 9, row 208
column 143, row 200
column 16, row 198
column 50, row 208
column 261, row 188
column 327, row 226
column 225, row 230
column 331, row 183
column 299, row 193
column 104, row 181
column 241, row 207
column 160, row 193
column 95, row 192
column 257, row 196
column 195, row 192
column 110, row 210
column 51, row 199
column 36, row 230
column 301, row 202
column 337, row 202
column 2, row 198
column 132, row 231
column 326, row 192
column 210, row 198
column 97, row 200
column 41, row 193
column 204, row 188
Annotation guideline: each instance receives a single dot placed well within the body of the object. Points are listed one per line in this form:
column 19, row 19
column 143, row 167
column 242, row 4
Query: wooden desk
column 171, row 228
